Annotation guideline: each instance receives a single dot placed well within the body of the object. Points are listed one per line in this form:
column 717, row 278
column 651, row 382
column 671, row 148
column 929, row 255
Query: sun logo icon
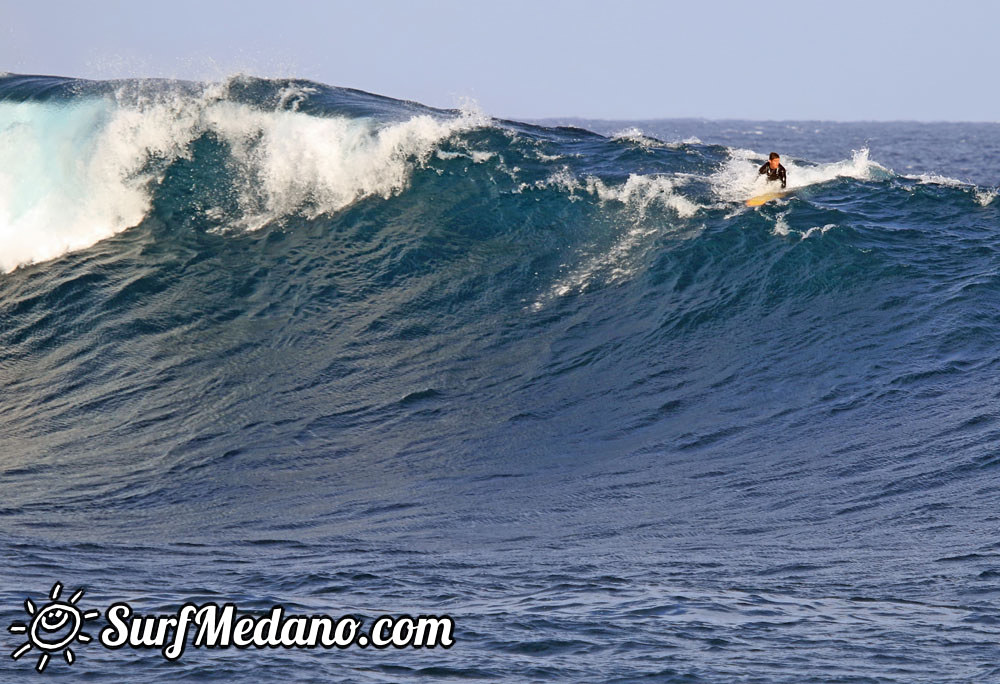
column 53, row 627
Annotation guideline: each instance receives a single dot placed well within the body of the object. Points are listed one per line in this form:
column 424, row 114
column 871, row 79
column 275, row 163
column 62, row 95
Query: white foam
column 637, row 194
column 782, row 229
column 642, row 191
column 74, row 174
column 548, row 157
column 738, row 178
column 934, row 179
column 69, row 176
column 292, row 96
column 690, row 140
column 985, row 196
column 781, row 225
column 820, row 230
column 982, row 196
column 298, row 164
column 636, row 136
column 616, row 264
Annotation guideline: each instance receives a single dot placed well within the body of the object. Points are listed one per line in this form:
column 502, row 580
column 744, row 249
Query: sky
column 627, row 59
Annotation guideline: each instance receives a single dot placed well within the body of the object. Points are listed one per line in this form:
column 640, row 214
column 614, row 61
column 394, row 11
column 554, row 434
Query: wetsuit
column 774, row 174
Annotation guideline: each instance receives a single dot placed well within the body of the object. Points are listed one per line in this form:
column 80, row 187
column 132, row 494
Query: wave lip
column 77, row 170
column 69, row 176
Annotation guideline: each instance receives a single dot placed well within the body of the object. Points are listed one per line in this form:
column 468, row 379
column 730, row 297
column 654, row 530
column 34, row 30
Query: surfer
column 774, row 169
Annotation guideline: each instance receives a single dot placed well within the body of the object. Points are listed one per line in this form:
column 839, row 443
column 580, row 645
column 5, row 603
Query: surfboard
column 766, row 197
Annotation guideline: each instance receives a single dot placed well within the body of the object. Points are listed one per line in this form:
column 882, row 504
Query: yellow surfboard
column 766, row 197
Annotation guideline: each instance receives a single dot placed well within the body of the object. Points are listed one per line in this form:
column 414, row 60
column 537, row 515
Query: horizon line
column 729, row 118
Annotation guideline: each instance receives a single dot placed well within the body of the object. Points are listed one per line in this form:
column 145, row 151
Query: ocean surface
column 272, row 342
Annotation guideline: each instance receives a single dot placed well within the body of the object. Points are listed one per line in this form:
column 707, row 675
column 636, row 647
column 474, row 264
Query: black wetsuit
column 774, row 174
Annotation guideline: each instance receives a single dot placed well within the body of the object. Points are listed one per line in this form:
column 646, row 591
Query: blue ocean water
column 274, row 342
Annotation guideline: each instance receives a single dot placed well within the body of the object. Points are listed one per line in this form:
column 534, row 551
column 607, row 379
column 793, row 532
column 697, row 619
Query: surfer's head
column 774, row 159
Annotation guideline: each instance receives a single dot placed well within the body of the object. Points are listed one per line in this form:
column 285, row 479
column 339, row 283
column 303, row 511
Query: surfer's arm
column 763, row 170
column 783, row 179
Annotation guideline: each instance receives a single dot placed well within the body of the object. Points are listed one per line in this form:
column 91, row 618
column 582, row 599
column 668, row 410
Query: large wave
column 82, row 161
column 286, row 342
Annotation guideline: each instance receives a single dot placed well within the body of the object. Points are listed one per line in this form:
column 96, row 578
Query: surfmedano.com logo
column 58, row 624
column 53, row 627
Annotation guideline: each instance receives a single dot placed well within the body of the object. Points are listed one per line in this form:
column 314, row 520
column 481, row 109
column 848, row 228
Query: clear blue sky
column 787, row 59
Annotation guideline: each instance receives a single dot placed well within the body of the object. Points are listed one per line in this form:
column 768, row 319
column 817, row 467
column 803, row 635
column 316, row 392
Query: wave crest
column 76, row 172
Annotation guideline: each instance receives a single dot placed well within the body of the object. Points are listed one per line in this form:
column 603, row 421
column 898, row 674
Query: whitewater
column 275, row 342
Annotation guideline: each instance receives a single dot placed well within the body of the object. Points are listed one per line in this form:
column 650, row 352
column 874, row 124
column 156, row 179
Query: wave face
column 275, row 341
